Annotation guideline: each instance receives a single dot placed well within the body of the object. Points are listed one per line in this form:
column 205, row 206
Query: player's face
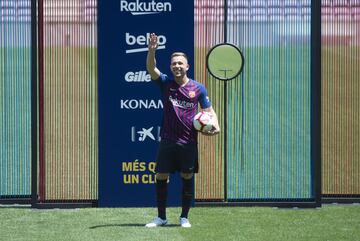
column 179, row 66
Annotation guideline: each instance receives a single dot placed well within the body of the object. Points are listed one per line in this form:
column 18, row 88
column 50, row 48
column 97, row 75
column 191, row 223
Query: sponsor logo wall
column 130, row 105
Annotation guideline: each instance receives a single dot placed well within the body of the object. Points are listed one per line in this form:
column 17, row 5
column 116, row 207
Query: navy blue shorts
column 173, row 157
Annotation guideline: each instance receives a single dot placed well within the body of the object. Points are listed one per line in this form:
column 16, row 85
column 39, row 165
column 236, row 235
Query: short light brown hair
column 179, row 54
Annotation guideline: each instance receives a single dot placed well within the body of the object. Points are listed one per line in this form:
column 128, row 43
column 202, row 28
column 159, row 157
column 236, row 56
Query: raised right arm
column 150, row 58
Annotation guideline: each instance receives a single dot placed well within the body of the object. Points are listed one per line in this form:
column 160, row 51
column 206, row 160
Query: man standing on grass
column 178, row 147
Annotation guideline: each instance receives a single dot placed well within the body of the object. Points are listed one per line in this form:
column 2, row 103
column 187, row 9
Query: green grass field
column 331, row 222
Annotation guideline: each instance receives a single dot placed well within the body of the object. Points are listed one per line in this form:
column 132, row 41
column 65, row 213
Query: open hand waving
column 153, row 41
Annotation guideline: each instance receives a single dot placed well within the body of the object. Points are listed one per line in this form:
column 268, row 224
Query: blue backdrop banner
column 130, row 105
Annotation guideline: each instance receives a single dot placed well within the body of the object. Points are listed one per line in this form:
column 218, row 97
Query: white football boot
column 184, row 222
column 156, row 222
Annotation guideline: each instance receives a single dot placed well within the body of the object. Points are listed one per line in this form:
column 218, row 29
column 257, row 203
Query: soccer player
column 178, row 147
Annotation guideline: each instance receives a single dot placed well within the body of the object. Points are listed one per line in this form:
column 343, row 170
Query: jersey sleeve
column 203, row 98
column 163, row 78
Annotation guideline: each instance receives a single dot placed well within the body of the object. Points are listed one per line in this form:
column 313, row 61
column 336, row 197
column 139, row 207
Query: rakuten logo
column 181, row 103
column 140, row 76
column 144, row 8
column 141, row 104
column 141, row 42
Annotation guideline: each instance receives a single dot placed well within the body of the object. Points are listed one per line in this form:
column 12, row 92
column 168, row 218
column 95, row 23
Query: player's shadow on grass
column 130, row 225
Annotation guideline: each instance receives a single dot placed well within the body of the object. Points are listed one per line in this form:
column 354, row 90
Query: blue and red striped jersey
column 180, row 108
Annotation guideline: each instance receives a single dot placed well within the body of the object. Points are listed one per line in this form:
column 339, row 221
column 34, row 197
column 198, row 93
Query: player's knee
column 162, row 176
column 187, row 175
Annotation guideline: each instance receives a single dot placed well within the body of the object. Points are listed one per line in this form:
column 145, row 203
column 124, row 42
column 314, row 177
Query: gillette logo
column 139, row 76
column 140, row 43
column 144, row 8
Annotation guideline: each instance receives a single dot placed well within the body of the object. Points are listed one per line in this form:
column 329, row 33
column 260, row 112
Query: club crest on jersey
column 191, row 94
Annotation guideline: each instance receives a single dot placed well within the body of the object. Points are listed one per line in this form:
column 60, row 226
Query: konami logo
column 134, row 104
column 144, row 8
column 141, row 42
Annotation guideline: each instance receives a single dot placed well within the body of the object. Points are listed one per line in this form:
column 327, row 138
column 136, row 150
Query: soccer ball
column 203, row 121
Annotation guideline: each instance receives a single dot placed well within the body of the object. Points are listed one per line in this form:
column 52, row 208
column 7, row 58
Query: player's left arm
column 216, row 128
column 206, row 106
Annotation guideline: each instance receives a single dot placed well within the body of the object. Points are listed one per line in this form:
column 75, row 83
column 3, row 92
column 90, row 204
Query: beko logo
column 139, row 76
column 144, row 8
column 140, row 43
column 141, row 104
